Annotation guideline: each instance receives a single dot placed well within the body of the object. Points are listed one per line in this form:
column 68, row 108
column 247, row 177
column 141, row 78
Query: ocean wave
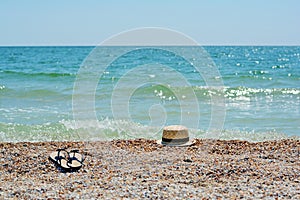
column 245, row 91
column 169, row 93
column 248, row 92
column 10, row 132
column 35, row 93
column 109, row 129
column 37, row 74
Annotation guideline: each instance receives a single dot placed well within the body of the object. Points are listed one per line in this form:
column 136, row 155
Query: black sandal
column 75, row 160
column 61, row 159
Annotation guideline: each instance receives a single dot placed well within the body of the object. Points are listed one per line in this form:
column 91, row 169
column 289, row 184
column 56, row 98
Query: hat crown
column 175, row 135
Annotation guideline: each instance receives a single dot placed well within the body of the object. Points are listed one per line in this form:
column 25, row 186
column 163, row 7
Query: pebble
column 136, row 169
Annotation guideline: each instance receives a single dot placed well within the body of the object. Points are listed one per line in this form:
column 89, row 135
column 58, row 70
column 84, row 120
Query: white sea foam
column 108, row 129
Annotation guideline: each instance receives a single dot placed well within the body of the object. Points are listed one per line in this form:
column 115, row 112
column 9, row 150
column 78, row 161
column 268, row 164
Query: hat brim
column 189, row 143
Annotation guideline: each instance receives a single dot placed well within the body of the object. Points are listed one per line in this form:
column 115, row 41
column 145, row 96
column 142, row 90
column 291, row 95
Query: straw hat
column 175, row 135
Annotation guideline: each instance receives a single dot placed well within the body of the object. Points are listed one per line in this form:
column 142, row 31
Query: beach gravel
column 139, row 169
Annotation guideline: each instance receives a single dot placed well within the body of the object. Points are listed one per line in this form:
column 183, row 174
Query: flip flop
column 75, row 160
column 61, row 157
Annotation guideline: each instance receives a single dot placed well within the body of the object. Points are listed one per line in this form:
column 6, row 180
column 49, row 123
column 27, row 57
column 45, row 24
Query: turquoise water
column 261, row 93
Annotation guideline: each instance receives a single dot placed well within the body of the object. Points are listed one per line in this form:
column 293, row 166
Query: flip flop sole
column 75, row 164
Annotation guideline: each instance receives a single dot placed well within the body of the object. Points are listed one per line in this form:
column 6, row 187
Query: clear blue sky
column 209, row 22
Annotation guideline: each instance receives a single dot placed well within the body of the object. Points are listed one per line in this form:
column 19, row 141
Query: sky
column 209, row 22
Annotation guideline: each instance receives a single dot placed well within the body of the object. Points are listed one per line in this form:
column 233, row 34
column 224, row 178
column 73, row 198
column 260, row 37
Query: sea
column 51, row 93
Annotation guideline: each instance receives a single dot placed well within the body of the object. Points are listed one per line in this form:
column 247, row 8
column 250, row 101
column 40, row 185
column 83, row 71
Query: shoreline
column 141, row 168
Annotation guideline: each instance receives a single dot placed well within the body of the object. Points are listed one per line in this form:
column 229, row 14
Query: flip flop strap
column 75, row 158
column 74, row 151
column 59, row 158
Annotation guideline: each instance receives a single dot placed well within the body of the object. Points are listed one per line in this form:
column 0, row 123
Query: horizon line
column 91, row 45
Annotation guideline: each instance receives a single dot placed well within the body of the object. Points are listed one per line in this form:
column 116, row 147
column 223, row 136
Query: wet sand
column 137, row 169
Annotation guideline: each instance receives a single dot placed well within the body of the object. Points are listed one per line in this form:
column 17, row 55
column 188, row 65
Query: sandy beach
column 136, row 169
